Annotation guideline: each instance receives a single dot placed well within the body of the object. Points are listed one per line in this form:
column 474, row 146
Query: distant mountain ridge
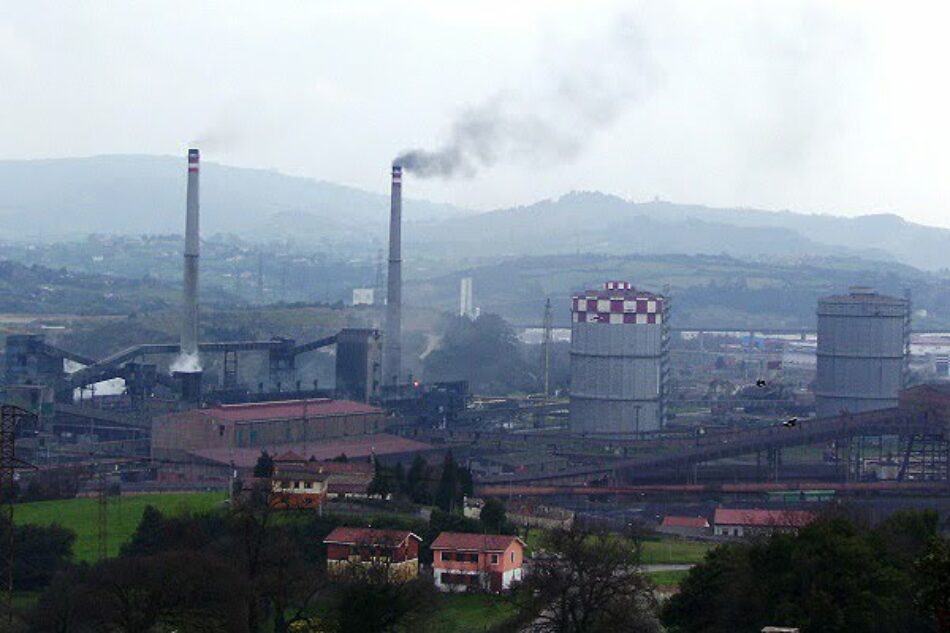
column 55, row 198
column 134, row 194
column 595, row 222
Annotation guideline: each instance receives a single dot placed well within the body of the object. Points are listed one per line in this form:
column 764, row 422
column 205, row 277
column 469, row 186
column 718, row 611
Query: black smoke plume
column 582, row 93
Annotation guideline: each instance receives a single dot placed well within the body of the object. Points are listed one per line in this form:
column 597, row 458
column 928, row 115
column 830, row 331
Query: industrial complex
column 650, row 410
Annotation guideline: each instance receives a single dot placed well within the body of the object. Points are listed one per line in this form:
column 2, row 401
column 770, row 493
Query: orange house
column 490, row 562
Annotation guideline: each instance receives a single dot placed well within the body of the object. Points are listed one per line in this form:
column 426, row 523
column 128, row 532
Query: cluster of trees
column 836, row 574
column 41, row 551
column 444, row 486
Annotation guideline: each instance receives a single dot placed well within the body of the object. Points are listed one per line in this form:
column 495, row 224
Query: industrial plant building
column 619, row 360
column 259, row 425
column 863, row 348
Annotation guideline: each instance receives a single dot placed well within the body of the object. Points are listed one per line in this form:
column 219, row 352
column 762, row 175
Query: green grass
column 469, row 613
column 655, row 552
column 668, row 578
column 124, row 513
column 674, row 551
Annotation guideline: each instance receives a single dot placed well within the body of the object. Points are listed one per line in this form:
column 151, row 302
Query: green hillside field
column 124, row 513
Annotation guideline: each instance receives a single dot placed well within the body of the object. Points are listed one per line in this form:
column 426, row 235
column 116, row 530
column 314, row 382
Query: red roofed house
column 396, row 549
column 741, row 522
column 684, row 526
column 483, row 561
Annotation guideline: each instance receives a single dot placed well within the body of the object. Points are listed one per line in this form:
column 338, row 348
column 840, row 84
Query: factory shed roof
column 474, row 542
column 354, row 447
column 762, row 518
column 286, row 409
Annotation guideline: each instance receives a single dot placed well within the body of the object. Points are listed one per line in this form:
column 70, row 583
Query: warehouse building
column 263, row 424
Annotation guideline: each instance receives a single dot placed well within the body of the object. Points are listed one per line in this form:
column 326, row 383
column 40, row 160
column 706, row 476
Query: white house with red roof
column 744, row 522
column 488, row 562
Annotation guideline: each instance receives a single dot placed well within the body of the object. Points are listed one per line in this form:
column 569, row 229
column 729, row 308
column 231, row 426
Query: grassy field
column 124, row 513
column 668, row 578
column 469, row 613
column 674, row 551
column 655, row 552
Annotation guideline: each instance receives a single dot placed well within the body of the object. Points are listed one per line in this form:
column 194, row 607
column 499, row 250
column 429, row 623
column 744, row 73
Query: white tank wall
column 615, row 368
column 860, row 355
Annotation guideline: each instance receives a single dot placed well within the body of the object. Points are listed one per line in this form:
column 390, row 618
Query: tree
column 264, row 467
column 187, row 591
column 833, row 575
column 382, row 483
column 448, row 496
column 493, row 515
column 417, row 481
column 369, row 600
column 590, row 584
column 41, row 551
column 932, row 583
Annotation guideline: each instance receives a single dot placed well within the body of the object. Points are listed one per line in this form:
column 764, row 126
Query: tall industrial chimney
column 189, row 321
column 392, row 365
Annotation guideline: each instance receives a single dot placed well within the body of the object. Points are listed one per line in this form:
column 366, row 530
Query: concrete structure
column 466, row 298
column 487, row 562
column 359, row 358
column 395, row 551
column 618, row 351
column 189, row 321
column 863, row 347
column 363, row 296
column 741, row 522
column 262, row 425
column 392, row 357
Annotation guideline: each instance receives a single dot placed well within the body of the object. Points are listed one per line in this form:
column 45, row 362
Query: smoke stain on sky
column 583, row 92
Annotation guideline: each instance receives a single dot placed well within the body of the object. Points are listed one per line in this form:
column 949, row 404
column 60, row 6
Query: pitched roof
column 290, row 456
column 474, row 542
column 685, row 522
column 762, row 518
column 368, row 536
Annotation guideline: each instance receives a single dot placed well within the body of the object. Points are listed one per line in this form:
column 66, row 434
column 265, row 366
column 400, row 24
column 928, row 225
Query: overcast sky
column 809, row 106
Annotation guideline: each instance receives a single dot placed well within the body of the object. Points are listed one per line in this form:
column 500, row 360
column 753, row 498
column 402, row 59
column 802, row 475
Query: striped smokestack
column 189, row 322
column 392, row 365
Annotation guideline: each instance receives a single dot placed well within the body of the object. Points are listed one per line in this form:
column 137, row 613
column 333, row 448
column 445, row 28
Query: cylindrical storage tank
column 862, row 342
column 616, row 356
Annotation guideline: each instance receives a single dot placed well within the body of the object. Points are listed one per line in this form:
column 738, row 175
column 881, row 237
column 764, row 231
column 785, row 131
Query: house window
column 512, row 557
column 446, row 556
column 494, row 559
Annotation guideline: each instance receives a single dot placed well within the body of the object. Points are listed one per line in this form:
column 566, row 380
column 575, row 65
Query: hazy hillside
column 706, row 290
column 146, row 194
column 57, row 198
column 600, row 223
